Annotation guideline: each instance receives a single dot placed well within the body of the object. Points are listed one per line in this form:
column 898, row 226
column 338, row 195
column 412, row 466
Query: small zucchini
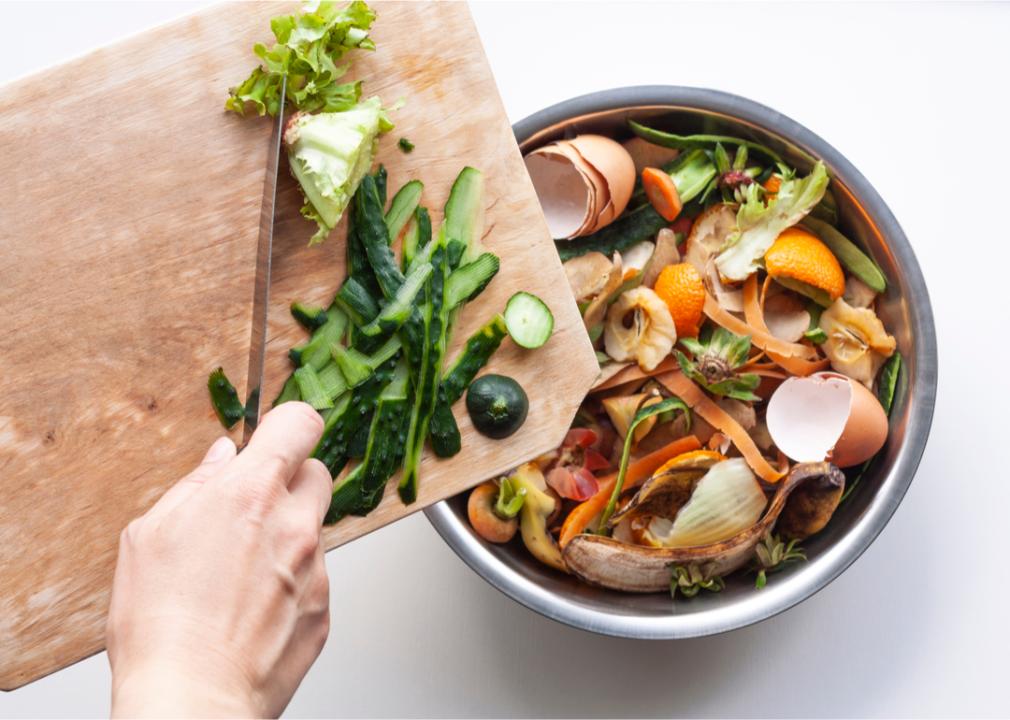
column 497, row 405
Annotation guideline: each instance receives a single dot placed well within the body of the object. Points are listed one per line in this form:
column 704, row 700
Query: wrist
column 165, row 689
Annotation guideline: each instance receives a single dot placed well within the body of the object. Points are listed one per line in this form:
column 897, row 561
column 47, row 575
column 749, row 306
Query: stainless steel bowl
column 905, row 310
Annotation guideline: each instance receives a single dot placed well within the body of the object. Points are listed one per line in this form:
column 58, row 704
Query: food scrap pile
column 745, row 376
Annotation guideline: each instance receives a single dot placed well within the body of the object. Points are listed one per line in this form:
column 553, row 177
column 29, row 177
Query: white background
column 916, row 97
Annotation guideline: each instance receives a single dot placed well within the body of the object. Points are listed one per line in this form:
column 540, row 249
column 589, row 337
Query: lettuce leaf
column 758, row 225
column 330, row 153
column 307, row 50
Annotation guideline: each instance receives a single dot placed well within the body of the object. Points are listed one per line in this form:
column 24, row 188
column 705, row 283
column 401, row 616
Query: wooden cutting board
column 129, row 206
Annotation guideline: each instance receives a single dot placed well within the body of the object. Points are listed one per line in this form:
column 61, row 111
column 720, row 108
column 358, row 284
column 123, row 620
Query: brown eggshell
column 613, row 162
column 865, row 431
column 601, row 190
column 565, row 193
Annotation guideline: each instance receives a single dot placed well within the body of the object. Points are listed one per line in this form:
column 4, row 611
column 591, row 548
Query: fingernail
column 220, row 450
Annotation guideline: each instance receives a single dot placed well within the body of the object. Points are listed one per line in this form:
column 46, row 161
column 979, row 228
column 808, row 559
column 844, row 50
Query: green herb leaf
column 405, row 145
column 887, row 382
column 307, row 50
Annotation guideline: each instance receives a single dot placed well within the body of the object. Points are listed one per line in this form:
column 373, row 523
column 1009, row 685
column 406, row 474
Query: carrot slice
column 753, row 310
column 662, row 193
column 762, row 338
column 638, row 472
column 682, row 386
column 634, row 372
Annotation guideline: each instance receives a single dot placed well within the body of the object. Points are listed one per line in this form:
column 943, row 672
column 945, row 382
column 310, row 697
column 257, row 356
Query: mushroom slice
column 608, row 563
column 666, row 253
column 596, row 313
column 786, row 316
column 588, row 274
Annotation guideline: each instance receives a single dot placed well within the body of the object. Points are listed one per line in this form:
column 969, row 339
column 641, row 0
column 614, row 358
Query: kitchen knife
column 261, row 289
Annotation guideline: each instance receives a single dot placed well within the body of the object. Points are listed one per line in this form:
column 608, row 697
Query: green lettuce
column 758, row 225
column 329, row 154
column 307, row 50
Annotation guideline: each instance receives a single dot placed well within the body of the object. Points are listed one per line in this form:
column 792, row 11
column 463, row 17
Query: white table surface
column 915, row 96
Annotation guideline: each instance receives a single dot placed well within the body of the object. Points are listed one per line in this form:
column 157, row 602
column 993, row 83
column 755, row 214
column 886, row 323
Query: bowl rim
column 778, row 597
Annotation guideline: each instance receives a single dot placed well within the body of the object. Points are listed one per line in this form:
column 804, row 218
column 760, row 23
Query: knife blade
column 261, row 287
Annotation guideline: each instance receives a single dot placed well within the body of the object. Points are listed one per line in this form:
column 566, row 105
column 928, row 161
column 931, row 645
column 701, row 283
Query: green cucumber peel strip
column 848, row 253
column 361, row 490
column 356, row 366
column 370, row 227
column 396, row 312
column 428, row 373
column 468, row 281
column 310, row 317
column 332, row 380
column 402, row 208
column 289, row 392
column 643, row 414
column 357, row 301
column 311, row 389
column 351, row 411
column 316, row 352
column 464, row 216
column 224, row 398
column 699, row 141
column 443, row 431
column 418, row 235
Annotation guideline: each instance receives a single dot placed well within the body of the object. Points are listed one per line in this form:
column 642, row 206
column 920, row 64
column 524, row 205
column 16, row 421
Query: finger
column 221, row 452
column 312, row 487
column 284, row 439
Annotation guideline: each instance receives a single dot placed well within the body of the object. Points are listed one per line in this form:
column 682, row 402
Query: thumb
column 217, row 457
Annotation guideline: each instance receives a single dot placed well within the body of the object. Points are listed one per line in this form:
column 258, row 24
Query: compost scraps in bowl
column 745, row 376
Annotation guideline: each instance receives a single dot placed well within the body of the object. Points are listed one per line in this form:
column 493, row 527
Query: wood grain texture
column 128, row 215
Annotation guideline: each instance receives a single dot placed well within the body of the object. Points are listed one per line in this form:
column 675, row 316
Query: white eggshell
column 564, row 192
column 806, row 416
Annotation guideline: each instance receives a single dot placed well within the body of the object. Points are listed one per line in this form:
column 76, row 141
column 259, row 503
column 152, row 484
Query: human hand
column 220, row 602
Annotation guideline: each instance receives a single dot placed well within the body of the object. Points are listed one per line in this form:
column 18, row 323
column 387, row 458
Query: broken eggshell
column 583, row 184
column 826, row 415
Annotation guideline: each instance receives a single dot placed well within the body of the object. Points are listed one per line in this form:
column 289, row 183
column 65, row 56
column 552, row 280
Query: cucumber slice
column 529, row 321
